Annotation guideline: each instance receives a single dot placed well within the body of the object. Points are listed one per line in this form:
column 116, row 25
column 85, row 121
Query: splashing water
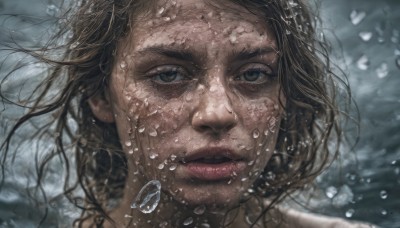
column 148, row 198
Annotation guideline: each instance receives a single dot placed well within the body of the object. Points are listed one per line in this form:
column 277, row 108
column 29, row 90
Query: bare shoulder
column 294, row 218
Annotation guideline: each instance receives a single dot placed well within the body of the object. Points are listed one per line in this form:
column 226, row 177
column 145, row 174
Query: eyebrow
column 169, row 52
column 251, row 53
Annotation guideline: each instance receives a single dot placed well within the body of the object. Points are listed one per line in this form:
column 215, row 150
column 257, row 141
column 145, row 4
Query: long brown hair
column 88, row 38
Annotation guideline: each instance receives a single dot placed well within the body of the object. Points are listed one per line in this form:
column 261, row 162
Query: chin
column 212, row 194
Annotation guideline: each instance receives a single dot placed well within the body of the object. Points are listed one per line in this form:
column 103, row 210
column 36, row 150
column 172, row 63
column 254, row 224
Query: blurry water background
column 366, row 39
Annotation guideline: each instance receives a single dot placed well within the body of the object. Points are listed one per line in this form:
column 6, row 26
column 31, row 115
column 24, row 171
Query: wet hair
column 310, row 126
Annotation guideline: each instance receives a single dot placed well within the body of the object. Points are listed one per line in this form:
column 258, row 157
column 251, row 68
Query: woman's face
column 195, row 98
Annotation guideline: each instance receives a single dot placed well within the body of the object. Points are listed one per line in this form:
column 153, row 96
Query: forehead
column 180, row 21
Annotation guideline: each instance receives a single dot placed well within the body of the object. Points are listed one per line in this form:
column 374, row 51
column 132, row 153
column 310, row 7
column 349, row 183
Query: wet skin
column 195, row 98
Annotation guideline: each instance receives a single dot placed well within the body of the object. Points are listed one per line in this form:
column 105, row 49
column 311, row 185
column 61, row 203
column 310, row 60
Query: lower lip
column 214, row 172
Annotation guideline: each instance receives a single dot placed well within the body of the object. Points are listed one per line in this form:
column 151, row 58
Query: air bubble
column 383, row 212
column 365, row 36
column 188, row 221
column 383, row 194
column 331, row 192
column 172, row 167
column 349, row 213
column 357, row 16
column 52, row 10
column 148, row 198
column 382, row 71
column 161, row 166
column 363, row 62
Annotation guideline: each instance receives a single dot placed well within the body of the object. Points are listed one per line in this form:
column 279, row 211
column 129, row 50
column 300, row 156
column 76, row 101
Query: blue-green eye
column 254, row 76
column 168, row 74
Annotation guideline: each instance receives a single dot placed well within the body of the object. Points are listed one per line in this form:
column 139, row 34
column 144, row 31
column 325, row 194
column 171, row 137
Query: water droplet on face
column 161, row 166
column 383, row 194
column 148, row 198
column 173, row 157
column 128, row 143
column 233, row 38
column 199, row 210
column 172, row 167
column 256, row 134
column 205, row 225
column 363, row 62
column 122, row 65
column 365, row 36
column 250, row 163
column 188, row 221
column 141, row 129
column 382, row 71
column 357, row 16
column 349, row 213
column 331, row 192
column 153, row 155
column 153, row 132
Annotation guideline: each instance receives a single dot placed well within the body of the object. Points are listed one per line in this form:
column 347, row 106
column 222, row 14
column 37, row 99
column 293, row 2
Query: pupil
column 168, row 76
column 251, row 76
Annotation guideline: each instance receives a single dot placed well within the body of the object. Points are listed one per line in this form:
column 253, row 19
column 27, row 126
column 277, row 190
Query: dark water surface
column 366, row 37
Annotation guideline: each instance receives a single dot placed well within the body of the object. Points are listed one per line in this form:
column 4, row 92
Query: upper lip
column 210, row 153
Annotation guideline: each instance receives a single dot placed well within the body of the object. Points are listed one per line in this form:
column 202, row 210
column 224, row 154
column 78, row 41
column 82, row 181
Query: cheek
column 261, row 115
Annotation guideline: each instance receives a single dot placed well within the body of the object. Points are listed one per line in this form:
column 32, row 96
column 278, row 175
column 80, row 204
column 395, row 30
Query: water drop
column 383, row 194
column 250, row 163
column 128, row 143
column 153, row 155
column 365, row 36
column 153, row 132
column 160, row 166
column 331, row 192
column 173, row 157
column 349, row 213
column 188, row 221
column 141, row 129
column 357, row 16
column 172, row 167
column 205, row 225
column 383, row 212
column 161, row 11
column 382, row 71
column 199, row 210
column 233, row 38
column 189, row 97
column 52, row 10
column 122, row 65
column 363, row 62
column 256, row 134
column 148, row 198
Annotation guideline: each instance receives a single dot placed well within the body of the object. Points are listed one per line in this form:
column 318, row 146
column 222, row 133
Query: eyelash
column 267, row 73
column 158, row 75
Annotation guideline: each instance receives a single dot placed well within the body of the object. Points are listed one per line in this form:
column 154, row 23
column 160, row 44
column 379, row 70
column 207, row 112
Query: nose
column 214, row 113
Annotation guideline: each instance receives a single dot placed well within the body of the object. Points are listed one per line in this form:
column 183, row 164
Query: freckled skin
column 208, row 109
